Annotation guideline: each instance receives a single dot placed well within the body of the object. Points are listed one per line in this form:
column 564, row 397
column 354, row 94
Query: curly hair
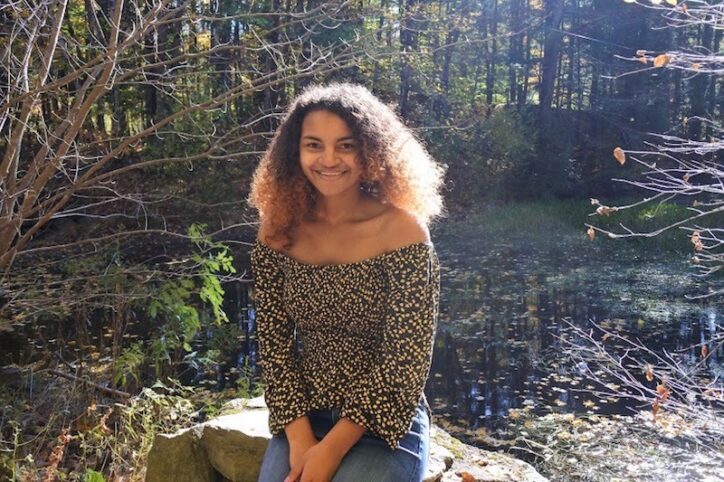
column 397, row 169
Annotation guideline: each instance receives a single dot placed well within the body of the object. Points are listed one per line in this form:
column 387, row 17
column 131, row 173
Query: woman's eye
column 347, row 147
column 312, row 145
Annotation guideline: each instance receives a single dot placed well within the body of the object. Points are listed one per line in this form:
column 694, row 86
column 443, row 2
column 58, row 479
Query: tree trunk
column 514, row 51
column 408, row 44
column 523, row 98
column 711, row 101
column 270, row 94
column 380, row 25
column 697, row 91
column 551, row 50
column 493, row 52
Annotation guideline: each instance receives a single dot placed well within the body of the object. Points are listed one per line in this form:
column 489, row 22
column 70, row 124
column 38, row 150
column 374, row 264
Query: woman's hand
column 318, row 464
column 320, row 460
column 297, row 450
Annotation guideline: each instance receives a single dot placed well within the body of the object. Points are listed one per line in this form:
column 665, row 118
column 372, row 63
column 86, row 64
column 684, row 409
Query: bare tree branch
column 686, row 171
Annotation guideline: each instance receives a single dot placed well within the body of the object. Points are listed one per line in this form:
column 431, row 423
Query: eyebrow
column 347, row 138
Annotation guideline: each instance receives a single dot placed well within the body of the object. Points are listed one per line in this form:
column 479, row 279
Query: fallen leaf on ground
column 466, row 476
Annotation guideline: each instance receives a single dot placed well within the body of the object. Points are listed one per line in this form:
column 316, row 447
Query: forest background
column 130, row 131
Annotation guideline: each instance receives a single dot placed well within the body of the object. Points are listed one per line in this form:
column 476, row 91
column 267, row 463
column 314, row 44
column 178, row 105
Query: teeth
column 330, row 173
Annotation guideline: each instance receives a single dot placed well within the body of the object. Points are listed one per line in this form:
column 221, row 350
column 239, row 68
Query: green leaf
column 159, row 384
column 93, row 476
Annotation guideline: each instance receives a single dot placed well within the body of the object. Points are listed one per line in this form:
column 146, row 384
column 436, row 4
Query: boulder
column 179, row 457
column 231, row 447
column 235, row 444
column 480, row 465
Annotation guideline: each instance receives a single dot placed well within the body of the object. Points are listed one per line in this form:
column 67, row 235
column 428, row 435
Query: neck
column 340, row 208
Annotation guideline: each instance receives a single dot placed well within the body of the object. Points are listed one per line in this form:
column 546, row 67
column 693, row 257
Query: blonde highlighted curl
column 397, row 169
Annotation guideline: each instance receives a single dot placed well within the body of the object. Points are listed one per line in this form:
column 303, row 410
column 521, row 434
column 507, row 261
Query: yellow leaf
column 629, row 1
column 619, row 155
column 591, row 234
column 663, row 392
column 704, row 351
column 671, row 2
column 605, row 210
column 203, row 40
column 662, row 60
column 655, row 2
column 696, row 66
column 649, row 372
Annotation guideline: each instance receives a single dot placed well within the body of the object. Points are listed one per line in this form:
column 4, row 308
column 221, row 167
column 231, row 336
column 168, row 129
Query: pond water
column 506, row 305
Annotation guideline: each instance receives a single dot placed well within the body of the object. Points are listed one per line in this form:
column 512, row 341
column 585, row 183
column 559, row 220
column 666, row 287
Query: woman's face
column 329, row 153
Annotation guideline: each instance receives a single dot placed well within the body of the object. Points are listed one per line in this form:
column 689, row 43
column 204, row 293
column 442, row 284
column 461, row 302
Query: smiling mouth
column 330, row 174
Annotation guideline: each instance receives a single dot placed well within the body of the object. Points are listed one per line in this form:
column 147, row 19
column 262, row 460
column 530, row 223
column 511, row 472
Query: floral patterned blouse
column 354, row 336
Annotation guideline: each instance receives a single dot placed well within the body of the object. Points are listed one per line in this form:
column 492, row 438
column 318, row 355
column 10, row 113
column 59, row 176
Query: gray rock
column 482, row 465
column 179, row 457
column 440, row 461
column 231, row 448
column 231, row 439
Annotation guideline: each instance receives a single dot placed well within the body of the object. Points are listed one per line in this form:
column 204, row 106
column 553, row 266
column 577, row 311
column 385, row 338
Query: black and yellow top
column 354, row 336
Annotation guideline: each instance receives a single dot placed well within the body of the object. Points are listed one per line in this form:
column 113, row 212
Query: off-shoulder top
column 355, row 336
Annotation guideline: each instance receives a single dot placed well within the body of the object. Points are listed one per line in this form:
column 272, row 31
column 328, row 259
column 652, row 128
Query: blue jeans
column 369, row 460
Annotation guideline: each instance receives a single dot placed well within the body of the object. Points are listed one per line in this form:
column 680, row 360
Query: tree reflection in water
column 503, row 314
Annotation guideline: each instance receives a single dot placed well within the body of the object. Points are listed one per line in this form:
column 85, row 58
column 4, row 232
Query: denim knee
column 372, row 460
column 275, row 465
column 369, row 460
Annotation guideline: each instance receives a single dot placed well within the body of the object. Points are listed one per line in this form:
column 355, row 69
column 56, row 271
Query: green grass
column 546, row 222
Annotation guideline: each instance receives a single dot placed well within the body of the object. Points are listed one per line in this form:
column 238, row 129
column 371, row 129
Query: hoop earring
column 370, row 188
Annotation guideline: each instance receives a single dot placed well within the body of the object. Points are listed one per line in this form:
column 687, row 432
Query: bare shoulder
column 402, row 228
column 265, row 236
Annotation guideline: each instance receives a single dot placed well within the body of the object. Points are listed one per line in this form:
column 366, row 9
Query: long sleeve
column 285, row 395
column 385, row 399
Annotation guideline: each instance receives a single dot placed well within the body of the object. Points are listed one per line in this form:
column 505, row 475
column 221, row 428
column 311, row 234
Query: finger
column 294, row 474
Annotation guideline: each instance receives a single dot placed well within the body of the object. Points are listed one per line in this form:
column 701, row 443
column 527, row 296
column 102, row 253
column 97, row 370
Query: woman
column 344, row 267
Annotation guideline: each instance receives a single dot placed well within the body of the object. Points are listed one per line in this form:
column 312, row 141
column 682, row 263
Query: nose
column 329, row 157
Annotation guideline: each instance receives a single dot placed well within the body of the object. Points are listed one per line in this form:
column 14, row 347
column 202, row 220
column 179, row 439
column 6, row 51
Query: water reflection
column 503, row 313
